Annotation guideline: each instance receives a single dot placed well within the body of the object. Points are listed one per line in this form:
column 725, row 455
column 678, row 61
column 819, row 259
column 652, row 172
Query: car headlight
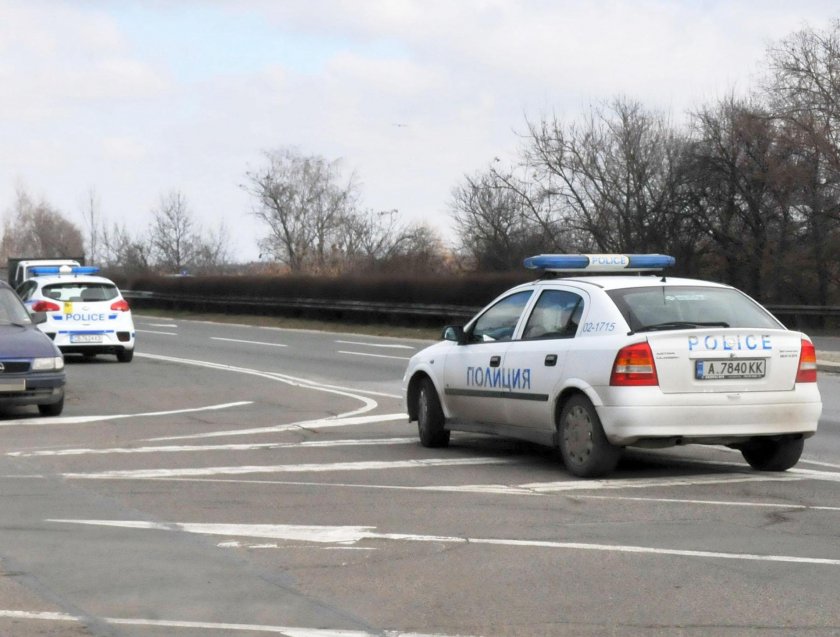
column 53, row 363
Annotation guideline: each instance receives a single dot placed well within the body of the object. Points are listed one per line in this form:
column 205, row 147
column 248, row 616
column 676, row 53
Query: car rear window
column 674, row 307
column 77, row 291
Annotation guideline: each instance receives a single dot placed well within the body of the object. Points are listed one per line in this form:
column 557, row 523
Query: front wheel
column 583, row 445
column 767, row 454
column 430, row 418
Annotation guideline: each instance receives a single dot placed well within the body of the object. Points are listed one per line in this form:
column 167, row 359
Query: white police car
column 592, row 364
column 86, row 314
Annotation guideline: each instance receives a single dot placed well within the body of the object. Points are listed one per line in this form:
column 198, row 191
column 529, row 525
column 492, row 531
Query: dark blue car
column 31, row 366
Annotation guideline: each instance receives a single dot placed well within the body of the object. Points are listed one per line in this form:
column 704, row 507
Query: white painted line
column 376, row 345
column 368, row 404
column 81, row 420
column 630, row 483
column 381, row 465
column 321, row 423
column 399, row 358
column 287, row 631
column 372, row 442
column 239, row 340
column 355, row 534
column 723, row 503
column 156, row 332
column 170, row 325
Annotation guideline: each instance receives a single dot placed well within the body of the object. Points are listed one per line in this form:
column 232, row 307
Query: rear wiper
column 678, row 325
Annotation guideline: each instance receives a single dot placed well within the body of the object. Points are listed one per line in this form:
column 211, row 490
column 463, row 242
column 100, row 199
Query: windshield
column 12, row 311
column 678, row 307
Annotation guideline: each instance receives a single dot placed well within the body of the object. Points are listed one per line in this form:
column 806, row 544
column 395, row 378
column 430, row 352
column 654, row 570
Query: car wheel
column 125, row 355
column 767, row 454
column 583, row 445
column 52, row 409
column 430, row 417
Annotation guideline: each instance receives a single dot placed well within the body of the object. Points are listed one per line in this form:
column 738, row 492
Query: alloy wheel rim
column 577, row 435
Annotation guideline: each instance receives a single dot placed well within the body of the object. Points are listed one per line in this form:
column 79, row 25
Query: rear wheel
column 583, row 445
column 125, row 355
column 430, row 419
column 52, row 409
column 768, row 454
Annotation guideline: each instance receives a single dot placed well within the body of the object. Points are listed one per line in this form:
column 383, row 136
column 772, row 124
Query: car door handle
column 495, row 361
column 551, row 360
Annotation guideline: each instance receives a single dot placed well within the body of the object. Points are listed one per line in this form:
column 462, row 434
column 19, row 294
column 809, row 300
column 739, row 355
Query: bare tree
column 39, row 230
column 804, row 91
column 492, row 222
column 171, row 234
column 303, row 201
column 130, row 255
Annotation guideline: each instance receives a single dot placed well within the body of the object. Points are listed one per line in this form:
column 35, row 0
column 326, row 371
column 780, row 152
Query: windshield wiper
column 678, row 325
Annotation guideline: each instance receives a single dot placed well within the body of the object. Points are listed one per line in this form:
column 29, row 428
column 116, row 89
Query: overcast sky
column 136, row 99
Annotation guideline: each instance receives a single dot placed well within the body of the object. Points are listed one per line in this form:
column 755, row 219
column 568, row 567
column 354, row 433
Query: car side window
column 499, row 321
column 556, row 314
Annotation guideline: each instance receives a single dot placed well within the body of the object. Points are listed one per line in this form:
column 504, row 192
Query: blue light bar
column 599, row 262
column 44, row 270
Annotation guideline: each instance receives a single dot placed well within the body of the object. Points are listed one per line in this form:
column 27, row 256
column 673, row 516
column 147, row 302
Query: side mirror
column 38, row 317
column 454, row 333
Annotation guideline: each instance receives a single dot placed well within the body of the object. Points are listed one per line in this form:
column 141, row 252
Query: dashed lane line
column 369, row 355
column 383, row 345
column 152, row 474
column 320, row 423
column 81, row 420
column 356, row 534
column 239, row 340
column 139, row 331
column 308, row 444
column 287, row 631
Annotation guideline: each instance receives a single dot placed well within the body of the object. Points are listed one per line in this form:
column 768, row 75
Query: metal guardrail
column 335, row 306
column 440, row 313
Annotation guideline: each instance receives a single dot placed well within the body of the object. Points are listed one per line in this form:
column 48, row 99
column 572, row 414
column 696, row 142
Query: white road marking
column 156, row 332
column 380, row 465
column 399, row 358
column 724, row 503
column 376, row 442
column 321, row 423
column 355, row 534
column 170, row 325
column 286, row 631
column 239, row 340
column 630, row 483
column 367, row 403
column 376, row 345
column 81, row 420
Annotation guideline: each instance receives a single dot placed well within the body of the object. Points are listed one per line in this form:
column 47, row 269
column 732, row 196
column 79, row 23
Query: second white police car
column 593, row 364
column 86, row 314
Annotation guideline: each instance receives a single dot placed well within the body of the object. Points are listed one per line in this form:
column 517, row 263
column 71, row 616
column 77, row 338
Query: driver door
column 474, row 378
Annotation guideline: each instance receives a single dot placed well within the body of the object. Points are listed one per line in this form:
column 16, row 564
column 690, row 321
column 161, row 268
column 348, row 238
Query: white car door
column 475, row 381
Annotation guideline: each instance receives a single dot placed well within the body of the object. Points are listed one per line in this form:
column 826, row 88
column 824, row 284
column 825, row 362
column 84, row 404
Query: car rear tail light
column 634, row 366
column 807, row 372
column 45, row 306
column 120, row 306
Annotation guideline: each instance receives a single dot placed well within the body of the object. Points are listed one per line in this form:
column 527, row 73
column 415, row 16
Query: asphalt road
column 248, row 481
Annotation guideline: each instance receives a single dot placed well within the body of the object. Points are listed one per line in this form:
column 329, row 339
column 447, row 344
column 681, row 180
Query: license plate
column 12, row 385
column 726, row 369
column 86, row 338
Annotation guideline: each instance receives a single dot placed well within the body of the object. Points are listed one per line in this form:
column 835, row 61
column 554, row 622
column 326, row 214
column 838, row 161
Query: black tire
column 583, row 445
column 430, row 419
column 52, row 409
column 768, row 454
column 125, row 355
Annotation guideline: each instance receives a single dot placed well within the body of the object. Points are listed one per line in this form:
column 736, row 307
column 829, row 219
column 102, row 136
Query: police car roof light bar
column 599, row 262
column 46, row 270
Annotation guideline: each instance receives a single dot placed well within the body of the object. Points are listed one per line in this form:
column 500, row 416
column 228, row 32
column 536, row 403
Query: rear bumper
column 709, row 418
